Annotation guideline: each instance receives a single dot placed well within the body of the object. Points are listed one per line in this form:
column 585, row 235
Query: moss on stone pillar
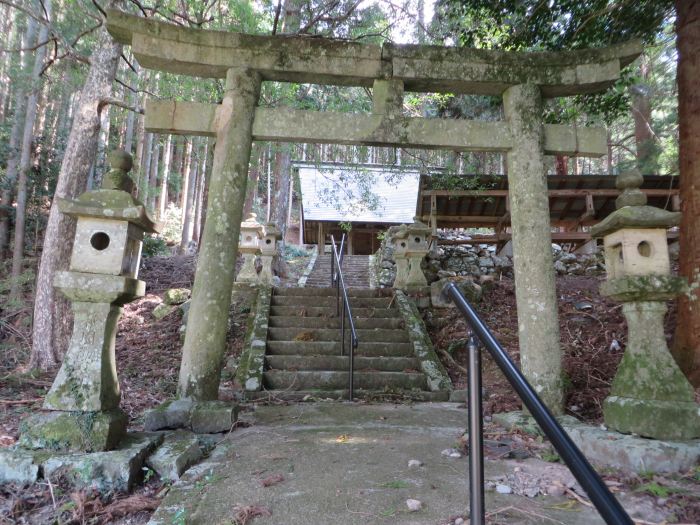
column 211, row 295
column 538, row 325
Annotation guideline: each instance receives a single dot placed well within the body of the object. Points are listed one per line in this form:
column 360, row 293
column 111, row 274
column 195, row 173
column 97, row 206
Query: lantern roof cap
column 646, row 217
column 251, row 223
column 110, row 204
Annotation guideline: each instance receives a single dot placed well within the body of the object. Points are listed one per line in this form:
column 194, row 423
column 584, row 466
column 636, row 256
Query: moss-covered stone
column 650, row 396
column 435, row 373
column 163, row 310
column 176, row 296
column 251, row 366
column 74, row 431
column 115, row 470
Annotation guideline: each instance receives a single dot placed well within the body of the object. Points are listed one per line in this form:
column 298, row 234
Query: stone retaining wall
column 478, row 260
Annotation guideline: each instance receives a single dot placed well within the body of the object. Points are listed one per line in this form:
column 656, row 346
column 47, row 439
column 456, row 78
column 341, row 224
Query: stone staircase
column 355, row 271
column 303, row 350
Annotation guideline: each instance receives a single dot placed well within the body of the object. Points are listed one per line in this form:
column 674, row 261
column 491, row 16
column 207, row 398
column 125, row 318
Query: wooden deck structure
column 575, row 202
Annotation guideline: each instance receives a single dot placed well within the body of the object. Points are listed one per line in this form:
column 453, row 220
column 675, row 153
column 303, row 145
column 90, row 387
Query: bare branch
column 277, row 17
column 134, row 90
column 109, row 101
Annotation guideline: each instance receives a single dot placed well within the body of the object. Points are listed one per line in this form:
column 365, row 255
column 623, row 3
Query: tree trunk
column 647, row 152
column 201, row 184
column 15, row 142
column 686, row 348
column 153, row 184
column 184, row 187
column 26, row 157
column 131, row 116
column 192, row 156
column 52, row 319
column 561, row 164
column 167, row 156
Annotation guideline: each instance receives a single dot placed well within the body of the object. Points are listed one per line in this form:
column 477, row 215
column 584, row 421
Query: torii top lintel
column 209, row 54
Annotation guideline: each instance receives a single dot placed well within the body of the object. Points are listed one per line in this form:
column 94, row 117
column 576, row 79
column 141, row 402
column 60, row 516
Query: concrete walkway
column 338, row 463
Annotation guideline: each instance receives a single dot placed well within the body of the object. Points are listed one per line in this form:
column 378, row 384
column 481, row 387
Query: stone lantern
column 249, row 245
column 417, row 243
column 102, row 276
column 268, row 250
column 649, row 396
column 399, row 241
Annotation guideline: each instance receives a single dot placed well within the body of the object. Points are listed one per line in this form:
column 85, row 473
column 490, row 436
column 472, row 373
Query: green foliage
column 397, row 484
column 657, row 490
column 292, row 251
column 154, row 245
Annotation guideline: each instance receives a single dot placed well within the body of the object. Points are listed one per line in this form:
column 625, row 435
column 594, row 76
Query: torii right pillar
column 536, row 299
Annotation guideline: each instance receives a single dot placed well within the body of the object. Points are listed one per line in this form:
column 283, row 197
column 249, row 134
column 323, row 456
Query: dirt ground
column 148, row 351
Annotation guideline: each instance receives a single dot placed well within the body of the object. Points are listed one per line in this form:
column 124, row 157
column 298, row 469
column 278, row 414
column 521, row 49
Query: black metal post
column 477, row 514
column 353, row 346
column 603, row 500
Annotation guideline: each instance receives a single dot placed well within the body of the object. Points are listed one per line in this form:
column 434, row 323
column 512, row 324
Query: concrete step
column 329, row 311
column 331, row 292
column 374, row 335
column 334, row 322
column 375, row 395
column 338, row 362
column 333, row 348
column 326, row 380
column 305, row 301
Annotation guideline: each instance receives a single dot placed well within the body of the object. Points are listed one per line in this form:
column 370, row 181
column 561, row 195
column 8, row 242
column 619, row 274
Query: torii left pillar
column 207, row 324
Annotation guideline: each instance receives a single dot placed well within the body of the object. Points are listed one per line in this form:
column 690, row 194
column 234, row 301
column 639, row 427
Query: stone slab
column 211, row 417
column 169, row 415
column 202, row 417
column 17, row 466
column 73, row 431
column 178, row 452
column 290, row 125
column 347, row 464
column 119, row 469
column 203, row 53
column 606, row 448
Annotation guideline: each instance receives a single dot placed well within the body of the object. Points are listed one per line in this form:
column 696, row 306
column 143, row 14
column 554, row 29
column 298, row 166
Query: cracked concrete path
column 346, row 463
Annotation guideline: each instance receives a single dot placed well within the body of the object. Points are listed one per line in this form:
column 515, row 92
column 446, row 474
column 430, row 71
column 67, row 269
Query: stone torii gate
column 524, row 80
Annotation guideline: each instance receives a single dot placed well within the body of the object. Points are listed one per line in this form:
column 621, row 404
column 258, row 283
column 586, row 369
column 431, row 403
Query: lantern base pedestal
column 668, row 420
column 74, row 431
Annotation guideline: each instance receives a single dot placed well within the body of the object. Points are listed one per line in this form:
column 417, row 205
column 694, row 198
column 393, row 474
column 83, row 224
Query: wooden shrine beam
column 205, row 53
column 289, row 125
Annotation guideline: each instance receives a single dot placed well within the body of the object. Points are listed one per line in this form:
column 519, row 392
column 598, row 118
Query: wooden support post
column 321, row 240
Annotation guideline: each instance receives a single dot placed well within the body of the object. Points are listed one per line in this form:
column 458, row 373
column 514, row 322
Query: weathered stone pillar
column 251, row 233
column 538, row 324
column 83, row 402
column 269, row 252
column 211, row 295
column 399, row 244
column 649, row 396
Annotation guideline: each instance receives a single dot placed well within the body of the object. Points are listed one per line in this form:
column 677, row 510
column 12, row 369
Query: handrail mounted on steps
column 603, row 500
column 341, row 298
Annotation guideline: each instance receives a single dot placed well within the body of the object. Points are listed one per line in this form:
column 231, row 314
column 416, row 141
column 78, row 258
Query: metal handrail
column 341, row 290
column 603, row 500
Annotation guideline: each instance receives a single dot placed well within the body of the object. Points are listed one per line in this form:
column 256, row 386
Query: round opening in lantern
column 267, row 241
column 99, row 241
column 248, row 238
column 403, row 245
column 417, row 239
column 644, row 249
